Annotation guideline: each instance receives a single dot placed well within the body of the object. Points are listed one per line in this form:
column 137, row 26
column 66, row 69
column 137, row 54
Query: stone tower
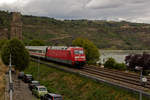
column 16, row 26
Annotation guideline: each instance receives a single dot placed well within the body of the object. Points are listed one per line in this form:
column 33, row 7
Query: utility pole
column 141, row 76
column 10, row 80
column 38, row 68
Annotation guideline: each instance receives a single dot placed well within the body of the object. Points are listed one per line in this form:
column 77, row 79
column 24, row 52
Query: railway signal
column 143, row 80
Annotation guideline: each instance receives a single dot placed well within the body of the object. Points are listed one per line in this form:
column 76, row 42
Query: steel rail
column 115, row 75
column 131, row 75
column 117, row 71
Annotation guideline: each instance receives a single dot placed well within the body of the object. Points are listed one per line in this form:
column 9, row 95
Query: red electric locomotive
column 67, row 55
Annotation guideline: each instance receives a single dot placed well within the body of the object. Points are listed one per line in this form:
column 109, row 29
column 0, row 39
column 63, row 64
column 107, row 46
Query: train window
column 37, row 51
column 78, row 51
column 69, row 53
column 46, row 49
column 75, row 51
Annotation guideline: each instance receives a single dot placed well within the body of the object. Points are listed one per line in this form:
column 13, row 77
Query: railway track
column 132, row 76
column 123, row 78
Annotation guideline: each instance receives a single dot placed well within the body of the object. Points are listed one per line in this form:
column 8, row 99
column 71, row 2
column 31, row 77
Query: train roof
column 61, row 47
column 50, row 47
column 36, row 47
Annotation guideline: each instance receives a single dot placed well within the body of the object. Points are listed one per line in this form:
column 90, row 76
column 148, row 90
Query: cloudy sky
column 130, row 10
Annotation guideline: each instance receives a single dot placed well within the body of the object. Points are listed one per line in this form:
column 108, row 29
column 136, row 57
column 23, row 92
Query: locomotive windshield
column 78, row 51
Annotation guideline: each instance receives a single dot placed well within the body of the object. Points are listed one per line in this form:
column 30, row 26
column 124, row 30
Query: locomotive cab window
column 78, row 51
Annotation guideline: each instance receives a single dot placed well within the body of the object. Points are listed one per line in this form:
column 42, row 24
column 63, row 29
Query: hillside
column 105, row 34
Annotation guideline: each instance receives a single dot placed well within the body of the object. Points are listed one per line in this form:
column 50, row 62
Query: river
column 118, row 55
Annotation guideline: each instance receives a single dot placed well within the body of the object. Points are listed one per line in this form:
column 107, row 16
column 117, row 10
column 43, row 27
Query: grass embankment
column 3, row 70
column 74, row 87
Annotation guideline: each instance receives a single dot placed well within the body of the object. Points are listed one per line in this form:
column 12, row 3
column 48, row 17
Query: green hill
column 105, row 34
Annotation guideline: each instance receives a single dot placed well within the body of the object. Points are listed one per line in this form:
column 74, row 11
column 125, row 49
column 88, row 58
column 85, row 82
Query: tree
column 110, row 63
column 142, row 60
column 91, row 51
column 19, row 55
column 36, row 43
column 2, row 43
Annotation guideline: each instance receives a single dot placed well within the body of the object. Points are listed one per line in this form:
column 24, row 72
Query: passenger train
column 74, row 56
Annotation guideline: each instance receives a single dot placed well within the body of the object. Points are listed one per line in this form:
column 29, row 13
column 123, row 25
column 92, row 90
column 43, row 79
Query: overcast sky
column 130, row 10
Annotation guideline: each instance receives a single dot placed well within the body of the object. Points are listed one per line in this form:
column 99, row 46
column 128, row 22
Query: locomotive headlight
column 82, row 57
column 76, row 57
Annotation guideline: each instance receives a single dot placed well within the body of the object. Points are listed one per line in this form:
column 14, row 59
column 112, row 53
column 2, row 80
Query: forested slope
column 105, row 34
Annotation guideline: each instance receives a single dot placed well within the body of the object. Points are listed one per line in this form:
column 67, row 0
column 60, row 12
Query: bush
column 142, row 60
column 19, row 55
column 2, row 43
column 146, row 72
column 111, row 63
column 120, row 66
column 91, row 51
